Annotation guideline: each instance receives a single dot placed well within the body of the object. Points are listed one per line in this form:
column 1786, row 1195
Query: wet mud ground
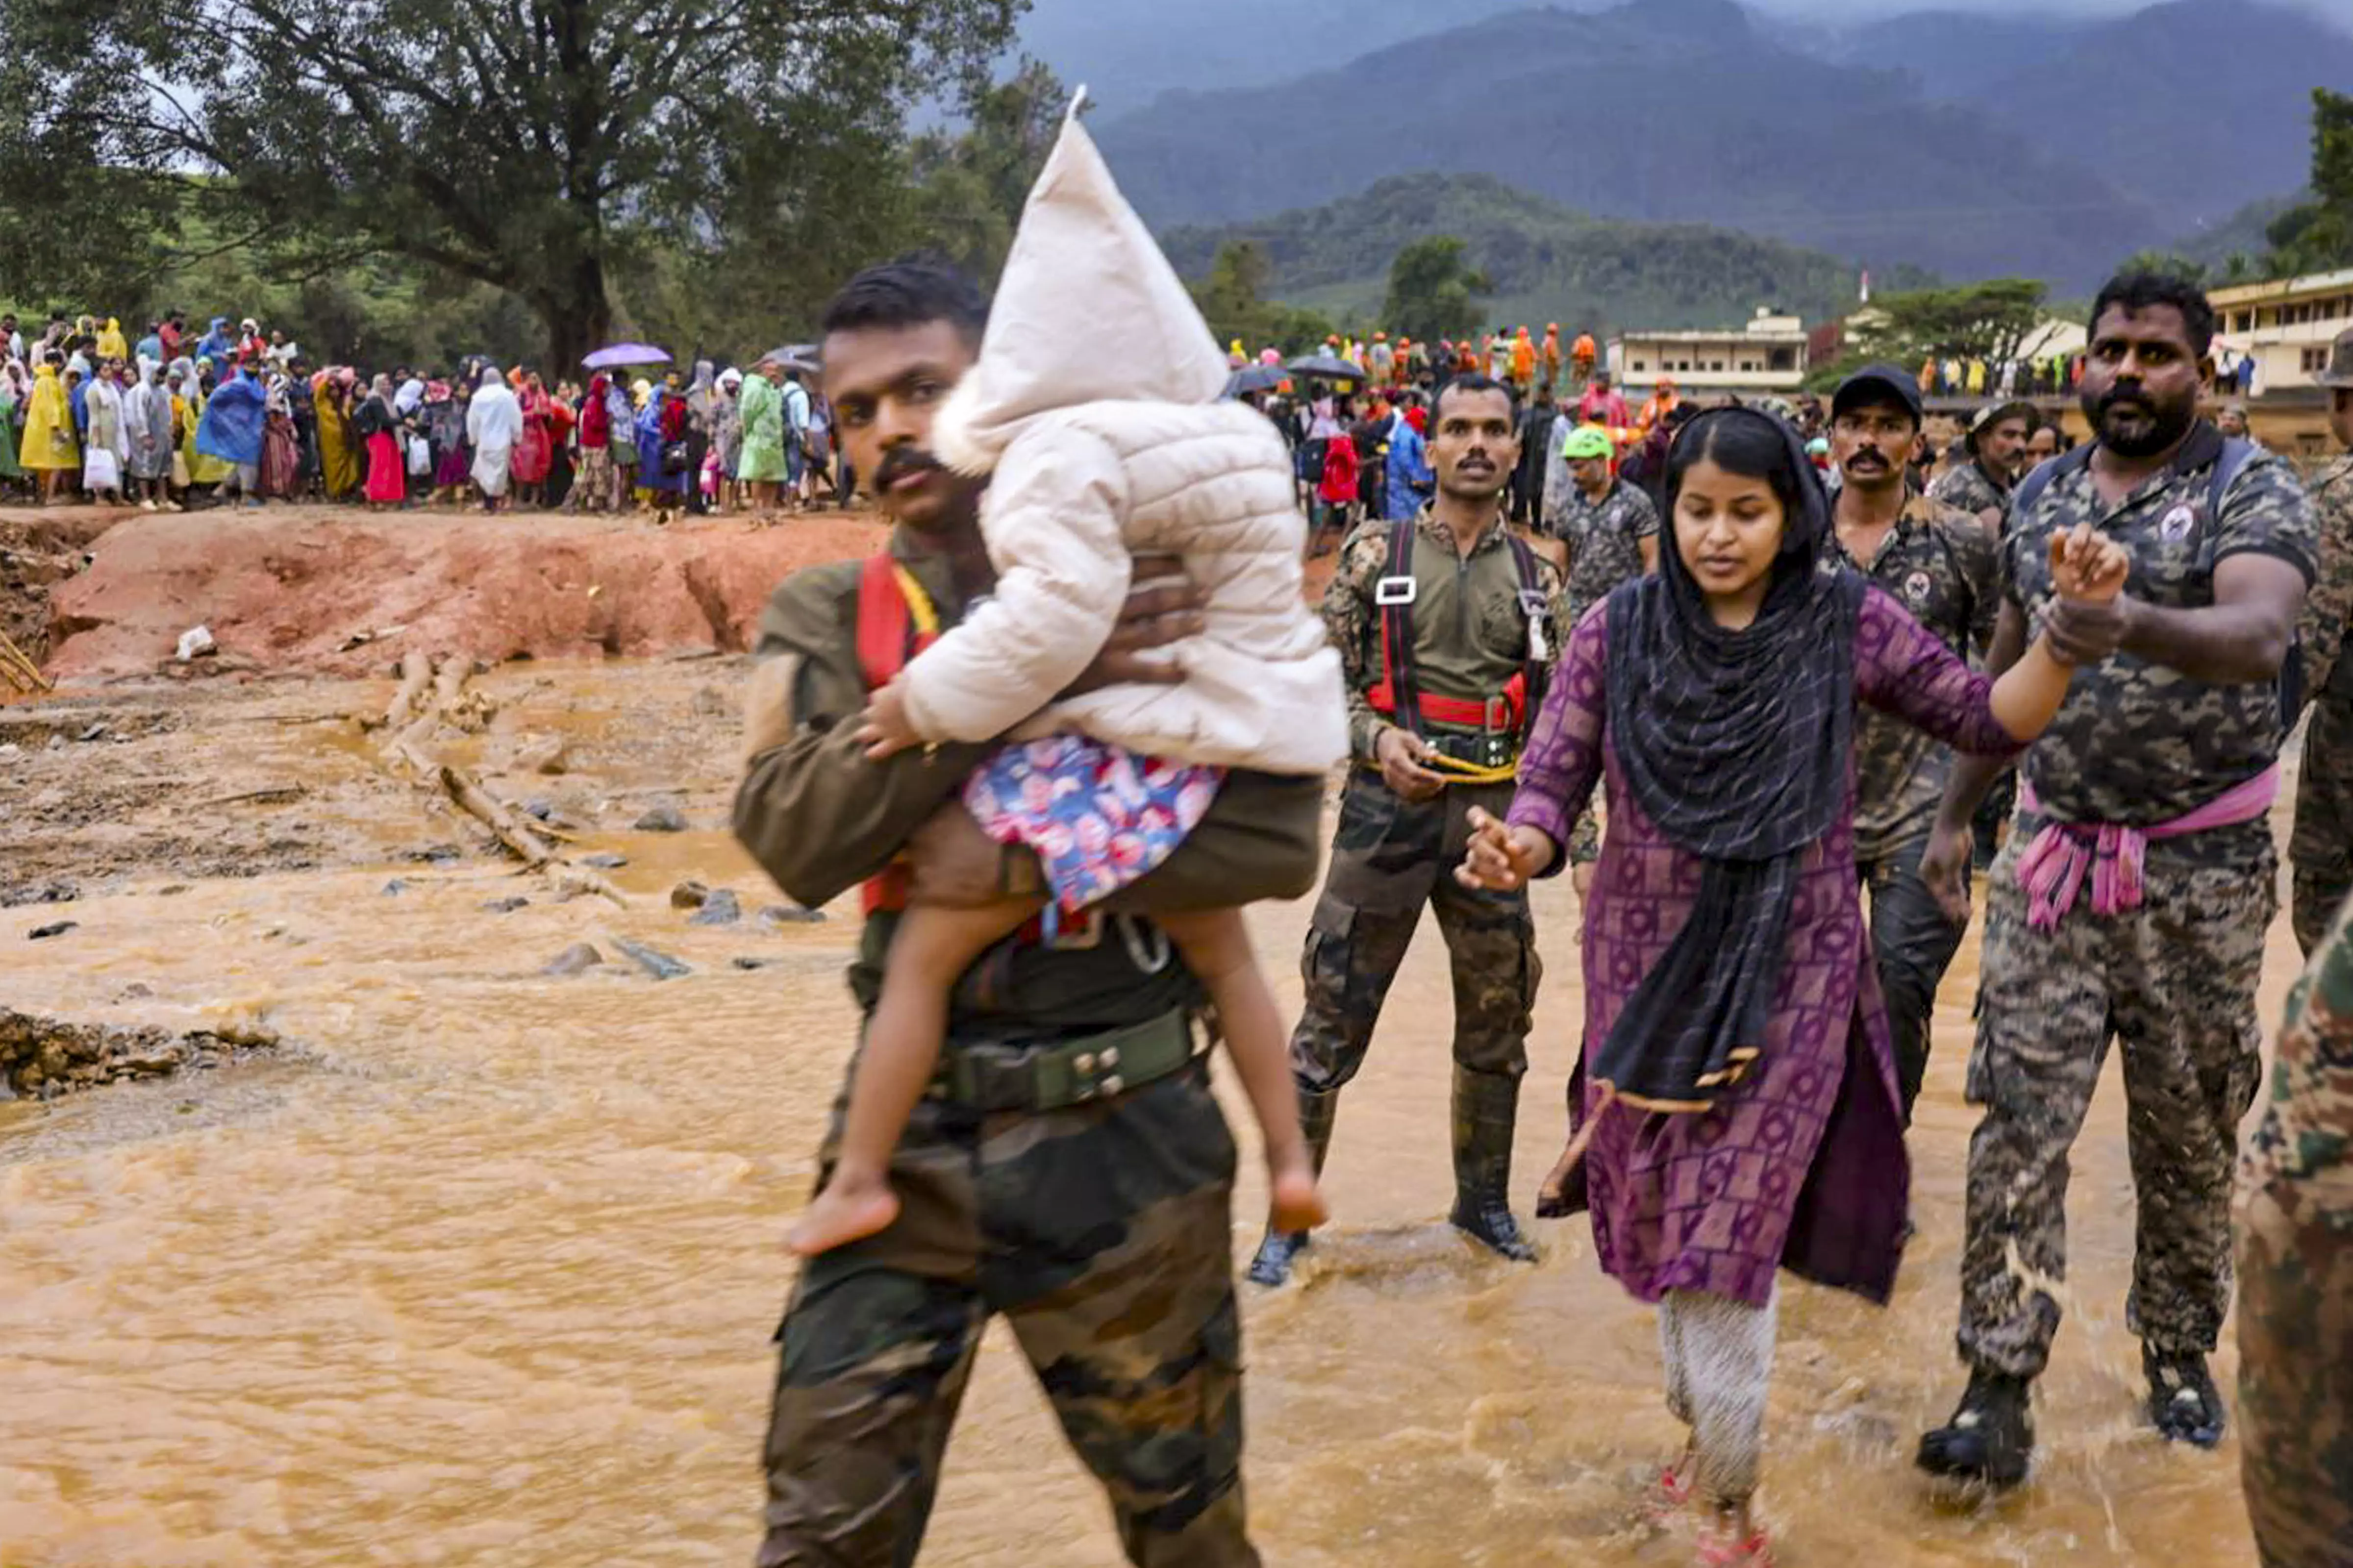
column 480, row 1265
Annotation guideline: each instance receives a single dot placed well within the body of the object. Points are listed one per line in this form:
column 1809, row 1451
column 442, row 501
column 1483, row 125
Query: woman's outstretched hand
column 1502, row 859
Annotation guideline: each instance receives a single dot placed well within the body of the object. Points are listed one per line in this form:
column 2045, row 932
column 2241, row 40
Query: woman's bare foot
column 843, row 1213
column 1293, row 1199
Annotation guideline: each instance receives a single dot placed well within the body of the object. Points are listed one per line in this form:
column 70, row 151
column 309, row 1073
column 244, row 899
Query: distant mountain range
column 1966, row 146
column 1547, row 262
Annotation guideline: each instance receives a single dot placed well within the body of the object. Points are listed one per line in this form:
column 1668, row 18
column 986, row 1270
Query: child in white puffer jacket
column 1094, row 408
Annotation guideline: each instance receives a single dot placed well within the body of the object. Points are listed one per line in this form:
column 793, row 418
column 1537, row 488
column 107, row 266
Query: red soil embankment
column 287, row 590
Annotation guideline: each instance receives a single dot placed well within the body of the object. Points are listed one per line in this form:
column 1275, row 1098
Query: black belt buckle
column 1496, row 751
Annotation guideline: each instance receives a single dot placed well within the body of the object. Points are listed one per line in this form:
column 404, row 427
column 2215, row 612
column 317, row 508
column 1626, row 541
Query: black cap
column 1878, row 383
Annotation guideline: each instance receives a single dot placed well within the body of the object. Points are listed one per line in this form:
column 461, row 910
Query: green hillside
column 1547, row 262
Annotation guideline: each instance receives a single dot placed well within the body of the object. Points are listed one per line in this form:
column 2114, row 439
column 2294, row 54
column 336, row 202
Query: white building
column 2285, row 324
column 1769, row 355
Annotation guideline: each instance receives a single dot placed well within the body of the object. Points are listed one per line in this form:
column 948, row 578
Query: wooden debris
column 21, row 671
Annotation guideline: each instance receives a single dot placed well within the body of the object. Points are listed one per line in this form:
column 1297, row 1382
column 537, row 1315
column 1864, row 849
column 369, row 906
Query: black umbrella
column 1328, row 367
column 1256, row 378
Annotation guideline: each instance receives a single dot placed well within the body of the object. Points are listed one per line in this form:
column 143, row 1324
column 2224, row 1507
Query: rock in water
column 579, row 956
column 606, row 862
column 395, row 887
column 790, row 915
column 504, row 906
column 748, row 962
column 689, row 896
column 41, row 933
column 661, row 966
column 661, row 819
column 719, row 910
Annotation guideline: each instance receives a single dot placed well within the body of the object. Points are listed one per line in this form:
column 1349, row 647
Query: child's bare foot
column 1293, row 1200
column 843, row 1213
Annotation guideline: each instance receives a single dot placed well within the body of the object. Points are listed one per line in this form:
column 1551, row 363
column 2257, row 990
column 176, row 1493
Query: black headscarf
column 1736, row 744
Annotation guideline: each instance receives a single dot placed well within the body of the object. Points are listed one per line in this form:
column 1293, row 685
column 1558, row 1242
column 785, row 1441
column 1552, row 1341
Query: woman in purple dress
column 1739, row 1095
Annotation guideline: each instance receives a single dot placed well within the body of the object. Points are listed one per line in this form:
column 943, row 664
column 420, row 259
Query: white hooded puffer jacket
column 1093, row 405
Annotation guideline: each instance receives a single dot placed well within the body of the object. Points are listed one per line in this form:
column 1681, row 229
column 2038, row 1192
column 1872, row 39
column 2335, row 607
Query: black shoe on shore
column 2182, row 1399
column 1991, row 1436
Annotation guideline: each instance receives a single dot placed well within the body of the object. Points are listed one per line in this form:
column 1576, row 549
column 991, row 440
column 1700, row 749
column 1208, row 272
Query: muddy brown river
column 481, row 1268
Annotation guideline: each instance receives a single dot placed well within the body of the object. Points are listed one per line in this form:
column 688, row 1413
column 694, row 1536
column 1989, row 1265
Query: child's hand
column 1503, row 859
column 885, row 727
column 2087, row 566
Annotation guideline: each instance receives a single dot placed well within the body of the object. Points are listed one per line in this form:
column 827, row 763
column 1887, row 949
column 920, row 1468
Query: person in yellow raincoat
column 204, row 469
column 339, row 465
column 50, row 448
column 111, row 344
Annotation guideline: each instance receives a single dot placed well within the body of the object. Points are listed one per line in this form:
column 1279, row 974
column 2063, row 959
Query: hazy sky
column 2340, row 11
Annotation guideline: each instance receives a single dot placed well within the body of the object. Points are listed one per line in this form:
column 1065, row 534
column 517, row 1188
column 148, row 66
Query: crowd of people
column 1763, row 702
column 176, row 420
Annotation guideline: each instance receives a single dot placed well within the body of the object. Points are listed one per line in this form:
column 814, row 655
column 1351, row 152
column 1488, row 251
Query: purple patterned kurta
column 1801, row 1165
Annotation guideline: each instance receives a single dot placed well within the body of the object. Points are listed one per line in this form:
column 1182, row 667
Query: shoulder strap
column 896, row 618
column 2237, row 454
column 2029, row 488
column 1396, row 628
column 1536, row 606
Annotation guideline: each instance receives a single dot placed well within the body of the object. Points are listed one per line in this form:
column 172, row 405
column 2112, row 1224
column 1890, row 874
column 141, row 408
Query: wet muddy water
column 483, row 1269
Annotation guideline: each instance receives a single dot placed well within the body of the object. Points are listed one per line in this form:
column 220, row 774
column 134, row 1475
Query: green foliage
column 2317, row 236
column 1543, row 262
column 1232, row 299
column 1978, row 321
column 969, row 190
column 2172, row 264
column 567, row 152
column 1434, row 291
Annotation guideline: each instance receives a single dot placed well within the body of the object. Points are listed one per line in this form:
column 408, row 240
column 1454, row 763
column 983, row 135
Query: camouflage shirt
column 2307, row 1130
column 2138, row 743
column 2320, row 635
column 1940, row 565
column 1969, row 488
column 1604, row 539
column 1469, row 635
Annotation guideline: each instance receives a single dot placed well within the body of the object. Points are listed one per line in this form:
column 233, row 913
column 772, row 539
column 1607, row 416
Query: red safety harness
column 1397, row 695
column 887, row 639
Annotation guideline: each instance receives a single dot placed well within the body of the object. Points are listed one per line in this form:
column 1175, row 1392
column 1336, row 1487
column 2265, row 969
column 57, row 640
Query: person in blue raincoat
column 1411, row 476
column 231, row 429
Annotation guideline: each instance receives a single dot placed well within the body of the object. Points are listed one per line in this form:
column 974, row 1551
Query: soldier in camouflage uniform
column 2165, row 750
column 1996, row 446
column 2296, row 1276
column 1996, row 442
column 1476, row 628
column 1940, row 563
column 2321, row 852
column 1611, row 530
column 1070, row 1169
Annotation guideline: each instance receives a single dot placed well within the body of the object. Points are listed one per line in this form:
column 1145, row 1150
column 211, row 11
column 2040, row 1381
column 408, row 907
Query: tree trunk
column 578, row 315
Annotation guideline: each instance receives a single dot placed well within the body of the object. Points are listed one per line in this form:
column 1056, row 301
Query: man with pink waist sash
column 2132, row 900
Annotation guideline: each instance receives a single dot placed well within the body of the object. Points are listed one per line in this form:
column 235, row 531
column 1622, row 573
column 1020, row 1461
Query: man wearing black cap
column 1996, row 441
column 1939, row 565
column 2321, row 851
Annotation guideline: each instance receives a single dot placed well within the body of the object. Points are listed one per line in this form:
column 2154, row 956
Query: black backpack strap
column 1536, row 606
column 2237, row 454
column 1394, row 595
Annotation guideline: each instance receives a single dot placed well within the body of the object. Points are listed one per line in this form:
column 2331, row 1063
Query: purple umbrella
column 626, row 354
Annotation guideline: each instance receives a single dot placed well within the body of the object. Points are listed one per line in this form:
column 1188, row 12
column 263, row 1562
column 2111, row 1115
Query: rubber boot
column 1991, row 1436
column 2182, row 1400
column 1271, row 1265
column 1486, row 1107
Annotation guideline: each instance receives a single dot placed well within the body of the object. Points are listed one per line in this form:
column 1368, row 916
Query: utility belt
column 989, row 1078
column 1489, row 749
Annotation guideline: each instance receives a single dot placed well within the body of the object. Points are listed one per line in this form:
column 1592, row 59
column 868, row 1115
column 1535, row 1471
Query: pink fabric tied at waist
column 2052, row 870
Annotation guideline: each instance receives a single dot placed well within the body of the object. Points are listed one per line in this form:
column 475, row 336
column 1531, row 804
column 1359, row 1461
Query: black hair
column 1751, row 444
column 2137, row 291
column 1475, row 383
column 913, row 290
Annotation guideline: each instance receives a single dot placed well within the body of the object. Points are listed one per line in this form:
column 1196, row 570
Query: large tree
column 1434, row 292
column 1986, row 321
column 542, row 147
column 2318, row 235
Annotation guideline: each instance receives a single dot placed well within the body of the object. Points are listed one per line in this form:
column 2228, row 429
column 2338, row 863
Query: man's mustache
column 899, row 462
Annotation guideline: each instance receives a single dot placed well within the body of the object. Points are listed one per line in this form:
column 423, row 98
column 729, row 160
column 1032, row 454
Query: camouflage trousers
column 1389, row 858
column 2295, row 1280
column 1103, row 1235
column 2174, row 981
column 1912, row 944
column 2320, row 850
